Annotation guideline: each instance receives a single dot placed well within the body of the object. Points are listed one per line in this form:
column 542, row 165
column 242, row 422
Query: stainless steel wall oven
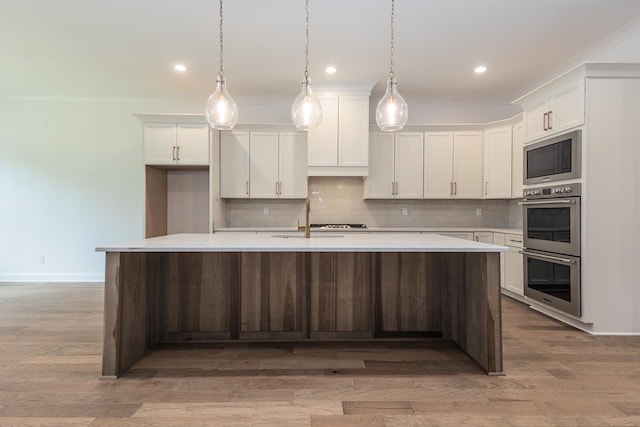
column 552, row 246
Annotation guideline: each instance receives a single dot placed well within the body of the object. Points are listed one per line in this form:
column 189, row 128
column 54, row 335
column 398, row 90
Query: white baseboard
column 52, row 277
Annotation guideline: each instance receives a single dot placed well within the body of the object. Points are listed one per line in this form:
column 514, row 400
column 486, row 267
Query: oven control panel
column 555, row 191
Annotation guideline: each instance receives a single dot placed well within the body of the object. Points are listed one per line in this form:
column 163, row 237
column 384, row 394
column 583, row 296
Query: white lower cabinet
column 500, row 239
column 483, row 236
column 459, row 234
column 514, row 267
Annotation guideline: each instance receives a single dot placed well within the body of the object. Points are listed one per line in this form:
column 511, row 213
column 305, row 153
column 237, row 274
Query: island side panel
column 272, row 285
column 202, row 293
column 474, row 304
column 408, row 294
column 340, row 295
column 126, row 312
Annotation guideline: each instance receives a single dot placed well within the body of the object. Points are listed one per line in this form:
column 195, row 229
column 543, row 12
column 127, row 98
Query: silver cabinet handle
column 178, row 152
column 486, row 185
column 279, row 188
column 515, row 241
column 174, row 152
column 549, row 120
column 396, row 188
column 547, row 202
column 547, row 257
column 247, row 187
column 451, row 188
column 544, row 121
column 455, row 188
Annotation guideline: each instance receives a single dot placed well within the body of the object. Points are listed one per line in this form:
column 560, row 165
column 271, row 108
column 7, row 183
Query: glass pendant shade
column 221, row 109
column 392, row 111
column 306, row 111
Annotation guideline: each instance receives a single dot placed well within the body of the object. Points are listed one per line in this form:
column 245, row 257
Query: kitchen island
column 228, row 286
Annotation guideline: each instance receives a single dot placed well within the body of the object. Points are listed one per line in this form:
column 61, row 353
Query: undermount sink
column 295, row 236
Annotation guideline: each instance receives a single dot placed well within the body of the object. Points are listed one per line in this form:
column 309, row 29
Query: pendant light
column 392, row 111
column 306, row 111
column 221, row 109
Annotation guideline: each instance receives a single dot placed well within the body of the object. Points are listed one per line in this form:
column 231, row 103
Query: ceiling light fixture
column 179, row 67
column 306, row 111
column 331, row 69
column 479, row 70
column 392, row 111
column 221, row 109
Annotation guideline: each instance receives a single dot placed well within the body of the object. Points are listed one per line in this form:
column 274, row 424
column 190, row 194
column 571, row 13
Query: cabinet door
column 379, row 183
column 499, row 239
column 409, row 165
column 467, row 165
column 497, row 163
column 514, row 271
column 459, row 235
column 353, row 130
column 567, row 108
column 160, row 142
column 535, row 120
column 517, row 161
column 263, row 167
column 438, row 165
column 192, row 146
column 322, row 149
column 234, row 164
column 483, row 236
column 292, row 162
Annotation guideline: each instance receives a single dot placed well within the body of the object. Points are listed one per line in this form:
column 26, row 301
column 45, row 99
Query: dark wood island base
column 170, row 297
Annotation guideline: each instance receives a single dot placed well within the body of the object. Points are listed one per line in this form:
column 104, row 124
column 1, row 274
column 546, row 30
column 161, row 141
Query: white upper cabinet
column 467, row 165
column 292, row 165
column 339, row 146
column 517, row 161
column 322, row 141
column 555, row 109
column 395, row 166
column 453, row 165
column 497, row 162
column 176, row 144
column 263, row 165
column 409, row 166
column 234, row 164
column 380, row 182
column 438, row 165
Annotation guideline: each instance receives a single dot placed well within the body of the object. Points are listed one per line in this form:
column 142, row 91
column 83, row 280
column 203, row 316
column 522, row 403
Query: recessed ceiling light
column 179, row 67
column 331, row 69
column 481, row 69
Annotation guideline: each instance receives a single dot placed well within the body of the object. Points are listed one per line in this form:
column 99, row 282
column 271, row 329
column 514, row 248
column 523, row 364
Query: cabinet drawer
column 514, row 240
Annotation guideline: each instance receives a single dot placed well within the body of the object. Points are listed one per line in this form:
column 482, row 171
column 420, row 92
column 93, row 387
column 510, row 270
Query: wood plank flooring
column 50, row 355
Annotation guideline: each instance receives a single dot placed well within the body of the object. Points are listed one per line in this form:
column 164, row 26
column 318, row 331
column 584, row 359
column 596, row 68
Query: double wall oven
column 552, row 224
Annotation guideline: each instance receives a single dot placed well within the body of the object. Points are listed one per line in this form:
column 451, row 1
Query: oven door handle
column 547, row 257
column 548, row 202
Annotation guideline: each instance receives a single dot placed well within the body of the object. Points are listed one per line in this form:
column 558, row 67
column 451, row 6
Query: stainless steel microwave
column 554, row 159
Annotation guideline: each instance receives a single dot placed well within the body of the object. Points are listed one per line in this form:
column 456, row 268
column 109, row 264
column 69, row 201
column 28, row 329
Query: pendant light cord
column 393, row 15
column 306, row 45
column 221, row 44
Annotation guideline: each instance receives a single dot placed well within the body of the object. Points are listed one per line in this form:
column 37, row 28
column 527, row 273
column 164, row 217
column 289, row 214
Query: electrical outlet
column 265, row 211
column 405, row 212
column 478, row 211
column 40, row 259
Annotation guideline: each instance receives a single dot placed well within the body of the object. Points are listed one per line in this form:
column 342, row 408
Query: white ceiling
column 127, row 48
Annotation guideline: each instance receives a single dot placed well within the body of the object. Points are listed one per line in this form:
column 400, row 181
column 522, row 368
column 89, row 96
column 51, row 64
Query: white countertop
column 295, row 242
column 372, row 230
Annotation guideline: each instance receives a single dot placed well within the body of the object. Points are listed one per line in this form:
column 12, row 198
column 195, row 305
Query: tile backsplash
column 339, row 200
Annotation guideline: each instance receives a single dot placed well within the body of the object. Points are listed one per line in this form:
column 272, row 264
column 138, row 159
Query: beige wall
column 339, row 200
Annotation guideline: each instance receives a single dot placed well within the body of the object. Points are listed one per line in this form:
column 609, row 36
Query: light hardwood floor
column 50, row 355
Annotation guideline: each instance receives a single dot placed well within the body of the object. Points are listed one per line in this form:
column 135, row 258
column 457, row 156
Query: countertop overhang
column 295, row 242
